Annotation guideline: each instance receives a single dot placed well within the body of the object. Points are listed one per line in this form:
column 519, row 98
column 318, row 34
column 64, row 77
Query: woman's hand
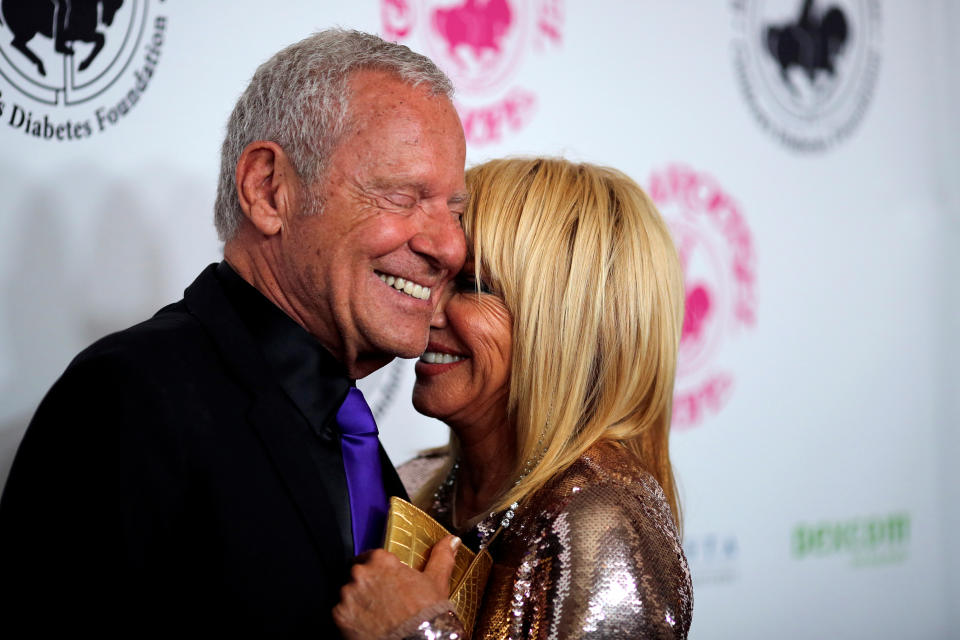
column 384, row 593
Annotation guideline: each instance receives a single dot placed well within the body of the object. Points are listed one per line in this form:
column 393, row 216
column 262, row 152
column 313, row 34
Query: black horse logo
column 64, row 21
column 813, row 42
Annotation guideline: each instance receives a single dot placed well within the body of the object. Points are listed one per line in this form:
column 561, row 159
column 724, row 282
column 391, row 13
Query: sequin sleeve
column 445, row 626
column 618, row 570
column 607, row 564
column 437, row 622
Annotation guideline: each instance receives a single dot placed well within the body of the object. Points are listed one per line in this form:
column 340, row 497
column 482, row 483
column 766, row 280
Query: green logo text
column 867, row 540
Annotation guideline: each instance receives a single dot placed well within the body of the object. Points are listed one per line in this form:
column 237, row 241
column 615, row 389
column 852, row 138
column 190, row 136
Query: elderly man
column 210, row 471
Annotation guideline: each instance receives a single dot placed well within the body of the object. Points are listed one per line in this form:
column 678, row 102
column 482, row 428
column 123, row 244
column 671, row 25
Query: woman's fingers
column 440, row 563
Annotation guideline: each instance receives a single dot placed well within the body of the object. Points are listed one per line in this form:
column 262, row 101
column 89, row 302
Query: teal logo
column 714, row 557
column 865, row 541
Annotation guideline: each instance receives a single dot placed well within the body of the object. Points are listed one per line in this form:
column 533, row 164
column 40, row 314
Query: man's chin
column 402, row 346
column 409, row 351
column 398, row 337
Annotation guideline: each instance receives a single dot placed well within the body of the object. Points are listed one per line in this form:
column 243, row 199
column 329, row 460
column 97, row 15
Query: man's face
column 392, row 197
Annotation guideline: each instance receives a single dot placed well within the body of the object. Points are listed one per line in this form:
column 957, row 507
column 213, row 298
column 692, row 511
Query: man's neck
column 253, row 266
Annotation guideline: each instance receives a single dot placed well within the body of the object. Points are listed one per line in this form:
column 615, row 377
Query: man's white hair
column 299, row 100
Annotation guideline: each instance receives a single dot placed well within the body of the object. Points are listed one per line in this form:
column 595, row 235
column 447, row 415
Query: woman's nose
column 439, row 319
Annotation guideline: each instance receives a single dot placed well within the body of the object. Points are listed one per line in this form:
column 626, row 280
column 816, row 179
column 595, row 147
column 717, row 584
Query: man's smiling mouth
column 408, row 287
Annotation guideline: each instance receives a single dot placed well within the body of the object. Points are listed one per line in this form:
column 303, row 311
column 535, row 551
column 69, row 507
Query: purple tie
column 361, row 461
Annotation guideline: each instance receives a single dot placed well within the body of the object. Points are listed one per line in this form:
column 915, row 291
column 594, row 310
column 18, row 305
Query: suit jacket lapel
column 335, row 484
column 313, row 475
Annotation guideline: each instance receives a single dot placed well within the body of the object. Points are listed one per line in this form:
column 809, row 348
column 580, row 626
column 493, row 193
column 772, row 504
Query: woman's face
column 464, row 375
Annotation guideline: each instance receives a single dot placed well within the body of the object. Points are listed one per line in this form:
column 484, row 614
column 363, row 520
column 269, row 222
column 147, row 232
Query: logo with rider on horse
column 62, row 21
column 58, row 54
column 807, row 68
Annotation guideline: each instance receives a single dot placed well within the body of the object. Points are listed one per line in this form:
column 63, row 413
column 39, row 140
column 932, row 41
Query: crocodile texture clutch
column 410, row 535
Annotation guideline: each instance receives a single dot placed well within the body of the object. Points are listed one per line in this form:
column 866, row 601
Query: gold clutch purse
column 410, row 535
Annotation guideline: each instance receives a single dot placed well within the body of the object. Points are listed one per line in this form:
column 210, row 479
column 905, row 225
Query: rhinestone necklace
column 488, row 528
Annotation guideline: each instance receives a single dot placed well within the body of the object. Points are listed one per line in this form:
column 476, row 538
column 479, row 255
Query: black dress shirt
column 312, row 378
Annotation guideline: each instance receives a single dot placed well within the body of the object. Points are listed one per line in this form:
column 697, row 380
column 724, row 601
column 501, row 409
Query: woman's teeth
column 406, row 286
column 435, row 357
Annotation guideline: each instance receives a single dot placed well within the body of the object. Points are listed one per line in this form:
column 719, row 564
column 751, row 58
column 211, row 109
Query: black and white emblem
column 65, row 52
column 807, row 68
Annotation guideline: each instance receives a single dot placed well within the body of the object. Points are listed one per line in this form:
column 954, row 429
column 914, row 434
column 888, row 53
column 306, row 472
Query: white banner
column 807, row 163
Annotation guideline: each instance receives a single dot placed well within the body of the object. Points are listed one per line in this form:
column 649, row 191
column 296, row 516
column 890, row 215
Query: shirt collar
column 312, row 378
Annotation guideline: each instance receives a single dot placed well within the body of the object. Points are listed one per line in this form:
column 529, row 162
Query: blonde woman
column 552, row 360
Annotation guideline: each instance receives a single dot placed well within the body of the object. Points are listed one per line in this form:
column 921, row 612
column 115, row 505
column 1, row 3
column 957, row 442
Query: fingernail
column 455, row 543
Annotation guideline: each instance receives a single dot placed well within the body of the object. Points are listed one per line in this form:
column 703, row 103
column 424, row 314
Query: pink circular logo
column 716, row 253
column 481, row 45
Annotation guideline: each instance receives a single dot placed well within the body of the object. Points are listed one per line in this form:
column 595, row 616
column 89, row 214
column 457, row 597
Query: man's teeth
column 408, row 287
column 435, row 357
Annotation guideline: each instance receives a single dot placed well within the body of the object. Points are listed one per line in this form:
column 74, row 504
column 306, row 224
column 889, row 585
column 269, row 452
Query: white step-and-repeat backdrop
column 806, row 155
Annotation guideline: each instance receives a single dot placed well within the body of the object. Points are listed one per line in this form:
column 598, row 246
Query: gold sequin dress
column 593, row 554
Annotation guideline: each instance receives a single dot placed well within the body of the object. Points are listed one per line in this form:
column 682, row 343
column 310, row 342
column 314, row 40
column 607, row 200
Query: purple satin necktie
column 361, row 461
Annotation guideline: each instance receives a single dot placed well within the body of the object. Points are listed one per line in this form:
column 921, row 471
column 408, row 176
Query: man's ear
column 267, row 186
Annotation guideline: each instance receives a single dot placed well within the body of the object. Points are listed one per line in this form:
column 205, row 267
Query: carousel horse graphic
column 479, row 26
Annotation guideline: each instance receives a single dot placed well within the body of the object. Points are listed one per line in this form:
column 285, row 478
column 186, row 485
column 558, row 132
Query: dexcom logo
column 868, row 540
column 482, row 45
column 70, row 69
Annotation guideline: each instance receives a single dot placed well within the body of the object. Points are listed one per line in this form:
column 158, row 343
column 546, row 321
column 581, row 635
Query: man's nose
column 441, row 240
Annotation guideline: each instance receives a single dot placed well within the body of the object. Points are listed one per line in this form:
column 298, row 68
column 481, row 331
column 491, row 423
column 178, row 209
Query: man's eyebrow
column 459, row 198
column 396, row 183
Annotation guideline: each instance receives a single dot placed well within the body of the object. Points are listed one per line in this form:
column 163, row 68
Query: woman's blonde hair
column 588, row 270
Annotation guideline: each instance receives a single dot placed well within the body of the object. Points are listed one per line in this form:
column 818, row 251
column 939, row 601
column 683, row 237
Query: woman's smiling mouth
column 437, row 357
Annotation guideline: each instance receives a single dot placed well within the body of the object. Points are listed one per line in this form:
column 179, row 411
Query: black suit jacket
column 168, row 485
